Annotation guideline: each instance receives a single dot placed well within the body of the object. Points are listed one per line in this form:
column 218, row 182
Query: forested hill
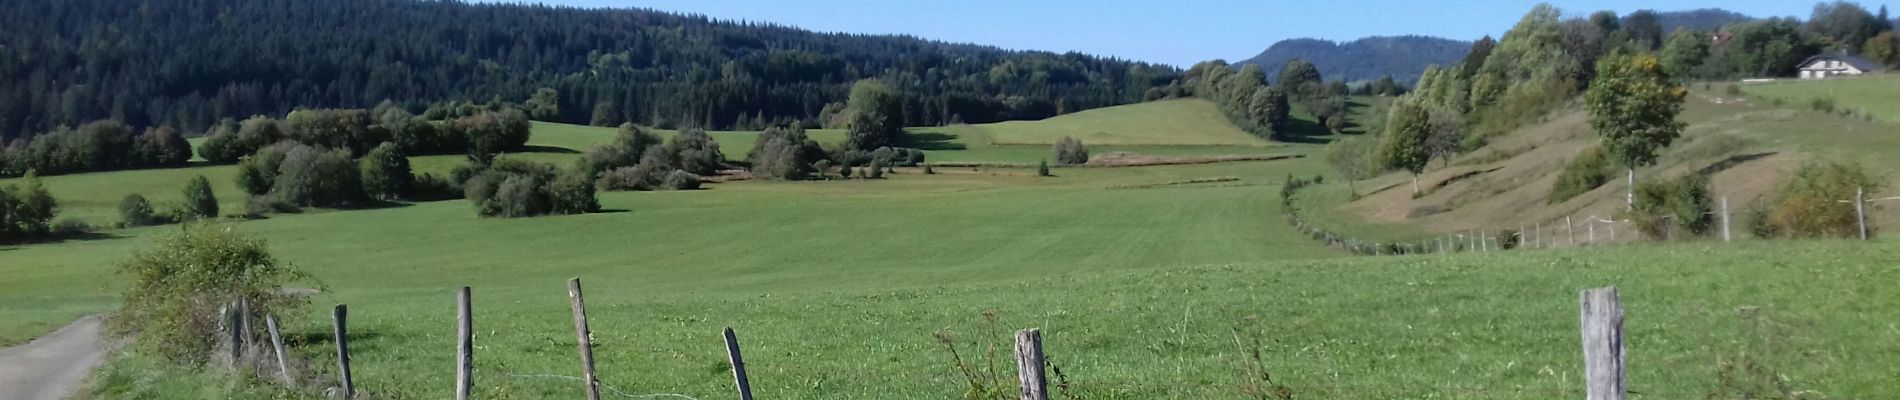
column 192, row 62
column 1402, row 57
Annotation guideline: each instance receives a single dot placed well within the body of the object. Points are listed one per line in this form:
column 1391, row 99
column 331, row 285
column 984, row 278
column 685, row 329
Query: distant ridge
column 1403, row 57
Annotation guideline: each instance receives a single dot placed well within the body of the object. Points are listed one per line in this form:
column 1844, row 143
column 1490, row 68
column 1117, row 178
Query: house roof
column 1857, row 62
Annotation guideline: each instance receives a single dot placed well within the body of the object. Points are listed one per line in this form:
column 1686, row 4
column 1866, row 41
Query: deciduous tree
column 1633, row 106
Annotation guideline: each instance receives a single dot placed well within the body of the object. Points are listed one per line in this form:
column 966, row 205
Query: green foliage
column 105, row 145
column 354, row 130
column 386, row 173
column 1301, row 79
column 200, row 202
column 1763, row 48
column 1633, row 106
column 514, row 189
column 544, row 106
column 876, row 169
column 134, row 210
column 1242, row 96
column 1810, row 203
column 1684, row 54
column 179, row 284
column 1675, row 208
column 1846, row 25
column 1591, row 169
column 318, row 177
column 784, row 153
column 1530, row 64
column 1403, row 144
column 606, row 113
column 1042, row 168
column 697, row 152
column 26, row 210
column 876, row 115
column 680, row 180
column 1883, row 48
column 822, row 168
column 489, row 133
column 1070, row 151
column 629, row 144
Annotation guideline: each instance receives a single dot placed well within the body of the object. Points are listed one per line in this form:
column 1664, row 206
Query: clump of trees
column 513, row 188
column 785, row 153
column 1243, row 96
column 1070, row 151
column 303, row 175
column 385, row 173
column 27, row 210
column 105, row 145
column 200, row 203
column 480, row 131
column 177, row 287
column 640, row 160
column 875, row 115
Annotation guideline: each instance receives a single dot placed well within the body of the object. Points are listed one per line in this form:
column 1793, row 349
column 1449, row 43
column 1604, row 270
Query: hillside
column 1402, row 57
column 1184, row 122
column 1750, row 144
column 189, row 63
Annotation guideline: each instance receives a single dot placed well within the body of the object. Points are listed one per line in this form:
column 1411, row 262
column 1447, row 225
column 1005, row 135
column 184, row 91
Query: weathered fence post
column 739, row 377
column 1540, row 234
column 277, row 345
column 1570, row 230
column 233, row 337
column 340, row 316
column 1725, row 224
column 1612, row 224
column 583, row 338
column 1029, row 364
column 1603, row 361
column 1593, row 230
column 464, row 344
column 1860, row 210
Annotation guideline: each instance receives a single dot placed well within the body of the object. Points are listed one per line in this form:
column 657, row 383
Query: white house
column 1836, row 64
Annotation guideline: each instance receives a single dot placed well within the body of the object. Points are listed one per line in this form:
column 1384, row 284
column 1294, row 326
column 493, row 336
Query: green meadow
column 836, row 288
column 1872, row 95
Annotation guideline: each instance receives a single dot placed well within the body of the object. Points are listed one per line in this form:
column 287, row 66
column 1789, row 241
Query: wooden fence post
column 1612, row 224
column 464, row 344
column 583, row 338
column 1570, row 230
column 739, row 377
column 1725, row 224
column 1603, row 361
column 1860, row 210
column 1593, row 231
column 1029, row 364
column 277, row 345
column 340, row 316
column 232, row 336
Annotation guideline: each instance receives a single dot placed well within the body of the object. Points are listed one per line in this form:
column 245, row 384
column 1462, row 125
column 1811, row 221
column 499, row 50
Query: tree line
column 189, row 64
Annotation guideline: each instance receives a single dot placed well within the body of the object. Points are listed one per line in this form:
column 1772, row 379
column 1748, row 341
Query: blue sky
column 1174, row 32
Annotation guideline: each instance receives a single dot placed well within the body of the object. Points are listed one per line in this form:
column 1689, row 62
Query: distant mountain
column 1403, row 57
column 1707, row 19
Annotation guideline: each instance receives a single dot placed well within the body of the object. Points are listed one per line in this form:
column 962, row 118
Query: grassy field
column 1873, row 95
column 1169, row 122
column 1140, row 292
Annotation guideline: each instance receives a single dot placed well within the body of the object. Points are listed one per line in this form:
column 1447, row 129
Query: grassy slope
column 1170, row 122
column 1874, row 95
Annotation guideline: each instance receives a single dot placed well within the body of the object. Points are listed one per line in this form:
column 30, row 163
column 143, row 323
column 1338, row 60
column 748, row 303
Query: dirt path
column 52, row 366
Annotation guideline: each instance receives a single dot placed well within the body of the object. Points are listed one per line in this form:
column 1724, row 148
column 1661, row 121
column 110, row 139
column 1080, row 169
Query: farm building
column 1836, row 64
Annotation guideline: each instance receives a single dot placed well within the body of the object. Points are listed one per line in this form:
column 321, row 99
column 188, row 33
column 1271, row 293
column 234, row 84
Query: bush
column 26, row 210
column 1809, row 204
column 1070, row 151
column 258, row 172
column 258, row 206
column 96, row 146
column 1590, row 170
column 318, row 177
column 491, row 132
column 385, row 172
column 161, row 147
column 877, row 169
column 178, row 286
column 679, row 179
column 135, row 211
column 431, row 187
column 697, row 152
column 1677, row 207
column 784, row 153
column 199, row 201
column 1823, row 104
column 511, row 188
column 822, row 168
column 628, row 146
column 1042, row 168
column 70, row 226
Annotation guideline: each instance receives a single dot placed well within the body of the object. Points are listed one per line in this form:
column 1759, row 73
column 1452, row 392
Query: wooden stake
column 1570, row 230
column 739, row 378
column 1603, row 361
column 277, row 345
column 583, row 338
column 1029, row 365
column 340, row 316
column 232, row 336
column 464, row 344
column 1860, row 210
column 1725, row 224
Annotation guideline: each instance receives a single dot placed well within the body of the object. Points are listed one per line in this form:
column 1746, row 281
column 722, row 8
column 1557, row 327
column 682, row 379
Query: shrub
column 1809, row 204
column 489, row 133
column 1070, row 151
column 353, row 129
column 135, row 211
column 877, row 169
column 178, row 286
column 318, row 177
column 1758, row 220
column 431, row 187
column 258, row 206
column 258, row 172
column 628, row 146
column 511, row 188
column 1591, row 169
column 70, row 226
column 199, row 201
column 385, row 172
column 96, row 146
column 1042, row 168
column 679, row 179
column 161, row 147
column 1666, row 208
column 1733, row 90
column 697, row 152
column 623, row 178
column 822, row 168
column 26, row 210
column 1823, row 104
column 784, row 153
